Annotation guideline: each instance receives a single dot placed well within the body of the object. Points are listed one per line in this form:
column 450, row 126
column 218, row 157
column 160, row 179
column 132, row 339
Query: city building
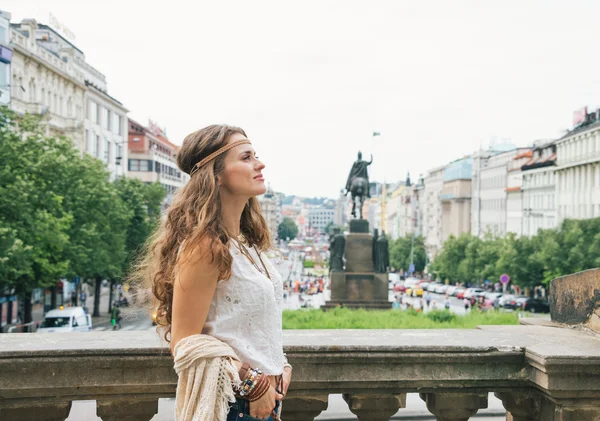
column 45, row 82
column 152, row 157
column 432, row 211
column 539, row 189
column 270, row 204
column 455, row 198
column 321, row 216
column 490, row 192
column 6, row 54
column 514, row 193
column 578, row 168
column 393, row 210
column 51, row 78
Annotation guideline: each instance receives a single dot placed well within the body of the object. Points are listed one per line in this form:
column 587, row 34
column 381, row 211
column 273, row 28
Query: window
column 107, row 118
column 86, row 139
column 106, row 149
column 98, row 111
column 97, row 146
column 136, row 139
column 120, row 125
column 134, row 165
column 144, row 165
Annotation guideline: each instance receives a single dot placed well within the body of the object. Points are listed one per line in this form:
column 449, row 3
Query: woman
column 218, row 295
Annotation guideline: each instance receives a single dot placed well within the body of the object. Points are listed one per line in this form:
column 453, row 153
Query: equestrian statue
column 358, row 183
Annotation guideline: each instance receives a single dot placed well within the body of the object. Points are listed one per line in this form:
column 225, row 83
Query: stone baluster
column 303, row 408
column 521, row 406
column 371, row 407
column 127, row 409
column 453, row 406
column 39, row 411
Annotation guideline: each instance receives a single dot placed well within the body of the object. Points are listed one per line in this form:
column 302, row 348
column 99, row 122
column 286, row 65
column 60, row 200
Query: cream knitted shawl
column 206, row 377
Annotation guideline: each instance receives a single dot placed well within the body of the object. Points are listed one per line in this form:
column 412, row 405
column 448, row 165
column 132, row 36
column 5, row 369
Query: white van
column 69, row 319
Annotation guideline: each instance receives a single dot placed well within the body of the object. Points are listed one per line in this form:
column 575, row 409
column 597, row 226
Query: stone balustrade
column 541, row 370
column 542, row 373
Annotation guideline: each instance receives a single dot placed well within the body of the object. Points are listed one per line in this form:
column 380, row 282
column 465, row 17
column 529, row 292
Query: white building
column 52, row 78
column 319, row 217
column 340, row 218
column 514, row 193
column 432, row 211
column 270, row 204
column 46, row 82
column 578, row 170
column 489, row 213
column 539, row 190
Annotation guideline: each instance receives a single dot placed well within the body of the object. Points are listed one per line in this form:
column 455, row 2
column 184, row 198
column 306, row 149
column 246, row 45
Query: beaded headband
column 217, row 153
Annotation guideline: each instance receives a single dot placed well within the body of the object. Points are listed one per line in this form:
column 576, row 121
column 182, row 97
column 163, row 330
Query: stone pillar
column 127, row 409
column 375, row 407
column 521, row 406
column 450, row 406
column 303, row 408
column 50, row 411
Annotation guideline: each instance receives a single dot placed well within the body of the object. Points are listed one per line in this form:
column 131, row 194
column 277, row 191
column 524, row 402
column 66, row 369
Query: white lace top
column 246, row 312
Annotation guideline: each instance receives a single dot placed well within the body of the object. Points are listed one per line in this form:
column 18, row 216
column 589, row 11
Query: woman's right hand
column 263, row 407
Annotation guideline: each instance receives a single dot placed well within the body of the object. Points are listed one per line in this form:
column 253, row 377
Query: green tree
column 400, row 253
column 287, row 229
column 144, row 204
column 34, row 220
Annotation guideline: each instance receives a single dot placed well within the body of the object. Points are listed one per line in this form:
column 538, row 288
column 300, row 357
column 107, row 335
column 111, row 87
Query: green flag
column 376, row 134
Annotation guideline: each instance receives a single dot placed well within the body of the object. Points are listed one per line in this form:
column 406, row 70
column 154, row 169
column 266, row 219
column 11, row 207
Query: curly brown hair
column 194, row 218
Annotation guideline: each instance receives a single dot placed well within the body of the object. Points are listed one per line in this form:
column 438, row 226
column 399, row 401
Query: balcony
column 542, row 371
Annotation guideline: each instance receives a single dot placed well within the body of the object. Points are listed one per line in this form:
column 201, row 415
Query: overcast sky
column 310, row 81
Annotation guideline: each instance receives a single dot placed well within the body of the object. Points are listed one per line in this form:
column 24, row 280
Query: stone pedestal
column 359, row 286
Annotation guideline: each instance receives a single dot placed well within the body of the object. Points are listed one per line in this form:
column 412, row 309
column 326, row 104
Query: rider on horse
column 358, row 183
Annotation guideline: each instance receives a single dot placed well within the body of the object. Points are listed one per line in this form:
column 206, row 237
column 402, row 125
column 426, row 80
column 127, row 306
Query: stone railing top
column 546, row 341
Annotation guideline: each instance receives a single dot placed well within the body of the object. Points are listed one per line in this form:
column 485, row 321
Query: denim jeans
column 240, row 411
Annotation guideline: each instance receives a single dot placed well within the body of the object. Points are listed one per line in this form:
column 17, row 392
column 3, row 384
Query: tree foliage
column 529, row 261
column 287, row 229
column 60, row 215
column 400, row 253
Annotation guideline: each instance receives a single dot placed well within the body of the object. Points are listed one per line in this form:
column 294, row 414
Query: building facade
column 45, row 82
column 514, row 194
column 319, row 217
column 270, row 204
column 432, row 211
column 578, row 170
column 51, row 78
column 539, row 190
column 455, row 198
column 491, row 190
column 152, row 158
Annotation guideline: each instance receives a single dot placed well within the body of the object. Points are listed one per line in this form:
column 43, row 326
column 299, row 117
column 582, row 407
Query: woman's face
column 242, row 173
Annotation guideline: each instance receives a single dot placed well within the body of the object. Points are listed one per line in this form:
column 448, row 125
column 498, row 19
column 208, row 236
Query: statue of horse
column 359, row 188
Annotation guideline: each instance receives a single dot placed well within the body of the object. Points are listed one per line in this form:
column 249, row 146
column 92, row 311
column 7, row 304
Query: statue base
column 359, row 290
column 359, row 226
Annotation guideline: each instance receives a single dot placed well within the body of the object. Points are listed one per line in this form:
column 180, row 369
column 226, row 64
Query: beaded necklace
column 242, row 248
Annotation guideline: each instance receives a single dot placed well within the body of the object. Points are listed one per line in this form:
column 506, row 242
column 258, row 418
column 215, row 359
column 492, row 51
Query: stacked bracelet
column 262, row 387
column 249, row 381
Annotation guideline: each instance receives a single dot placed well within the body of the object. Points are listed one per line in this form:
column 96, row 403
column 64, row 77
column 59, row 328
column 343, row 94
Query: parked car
column 414, row 291
column 441, row 289
column 473, row 292
column 432, row 286
column 494, row 298
column 70, row 319
column 535, row 305
column 424, row 285
column 451, row 289
column 513, row 302
column 459, row 292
